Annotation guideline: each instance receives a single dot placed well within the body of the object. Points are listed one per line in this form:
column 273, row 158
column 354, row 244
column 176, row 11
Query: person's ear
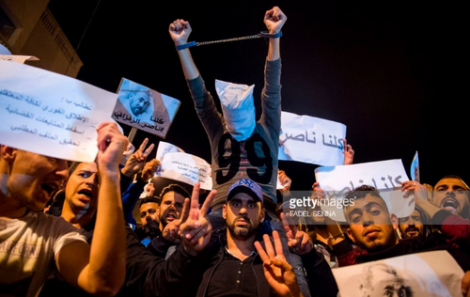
column 224, row 211
column 262, row 215
column 394, row 220
column 351, row 235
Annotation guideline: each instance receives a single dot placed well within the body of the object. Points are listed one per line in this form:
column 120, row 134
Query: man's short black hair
column 362, row 192
column 174, row 188
column 149, row 200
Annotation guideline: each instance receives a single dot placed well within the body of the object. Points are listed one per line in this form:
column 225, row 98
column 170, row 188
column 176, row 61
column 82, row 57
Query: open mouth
column 450, row 204
column 171, row 217
column 87, row 193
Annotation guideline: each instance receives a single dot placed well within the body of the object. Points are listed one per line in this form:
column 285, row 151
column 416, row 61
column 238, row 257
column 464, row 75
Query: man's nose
column 451, row 192
column 243, row 209
column 367, row 220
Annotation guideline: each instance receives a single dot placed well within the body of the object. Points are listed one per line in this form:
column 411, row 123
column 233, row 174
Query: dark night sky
column 397, row 75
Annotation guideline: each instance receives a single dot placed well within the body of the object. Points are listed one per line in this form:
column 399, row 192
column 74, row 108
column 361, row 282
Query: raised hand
column 196, row 231
column 277, row 270
column 137, row 160
column 317, row 191
column 149, row 190
column 149, row 169
column 285, row 181
column 179, row 31
column 274, row 19
column 348, row 153
column 420, row 196
column 171, row 230
column 111, row 146
column 299, row 242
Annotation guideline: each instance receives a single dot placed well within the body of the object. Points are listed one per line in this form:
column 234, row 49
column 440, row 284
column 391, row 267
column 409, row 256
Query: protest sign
column 51, row 114
column 144, row 108
column 311, row 140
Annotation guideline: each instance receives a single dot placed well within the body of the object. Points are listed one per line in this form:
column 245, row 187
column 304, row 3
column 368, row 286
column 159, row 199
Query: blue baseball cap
column 245, row 185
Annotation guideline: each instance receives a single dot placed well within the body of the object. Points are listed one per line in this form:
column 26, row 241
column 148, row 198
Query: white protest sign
column 426, row 274
column 18, row 58
column 336, row 181
column 144, row 108
column 311, row 140
column 186, row 168
column 51, row 114
column 164, row 148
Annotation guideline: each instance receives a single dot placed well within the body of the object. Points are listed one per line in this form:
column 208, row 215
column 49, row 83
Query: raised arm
column 179, row 32
column 100, row 269
column 274, row 19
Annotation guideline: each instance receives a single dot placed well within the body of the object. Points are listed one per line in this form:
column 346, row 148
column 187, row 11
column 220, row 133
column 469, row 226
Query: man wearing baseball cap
column 235, row 268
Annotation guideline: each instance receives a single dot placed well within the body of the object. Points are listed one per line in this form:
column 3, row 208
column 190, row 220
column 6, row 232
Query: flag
column 414, row 169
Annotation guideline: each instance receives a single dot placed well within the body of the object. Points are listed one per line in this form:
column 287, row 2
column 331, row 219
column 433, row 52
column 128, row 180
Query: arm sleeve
column 159, row 246
column 206, row 109
column 320, row 279
column 125, row 180
column 130, row 198
column 149, row 275
column 346, row 253
column 451, row 225
column 271, row 98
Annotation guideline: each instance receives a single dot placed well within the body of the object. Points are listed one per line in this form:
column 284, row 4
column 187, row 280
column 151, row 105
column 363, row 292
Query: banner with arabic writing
column 311, row 140
column 51, row 114
column 145, row 109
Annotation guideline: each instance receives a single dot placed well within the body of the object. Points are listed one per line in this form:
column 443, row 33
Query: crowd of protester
column 69, row 229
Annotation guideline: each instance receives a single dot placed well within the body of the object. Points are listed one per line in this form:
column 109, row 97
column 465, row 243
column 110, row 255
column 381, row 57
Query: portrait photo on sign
column 428, row 274
column 144, row 108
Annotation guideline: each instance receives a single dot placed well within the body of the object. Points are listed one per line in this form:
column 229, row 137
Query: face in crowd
column 371, row 227
column 412, row 225
column 148, row 211
column 243, row 213
column 452, row 194
column 33, row 178
column 81, row 191
column 171, row 207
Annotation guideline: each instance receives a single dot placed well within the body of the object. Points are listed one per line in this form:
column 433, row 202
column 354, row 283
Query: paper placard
column 427, row 274
column 336, row 181
column 311, row 140
column 51, row 114
column 186, row 168
column 164, row 148
column 144, row 108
